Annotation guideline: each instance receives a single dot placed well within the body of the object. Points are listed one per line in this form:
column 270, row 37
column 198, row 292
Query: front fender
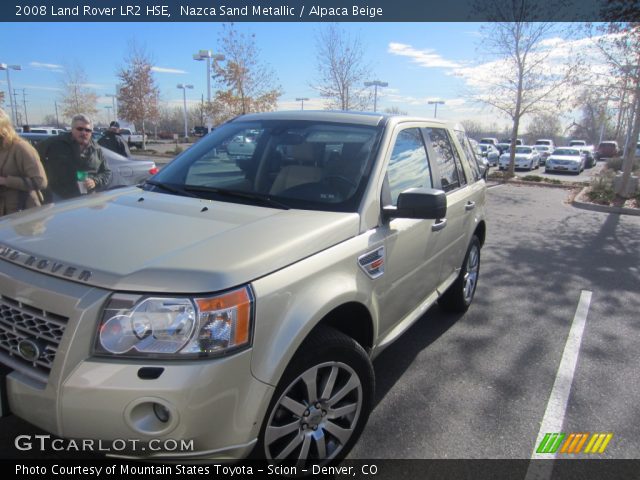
column 290, row 303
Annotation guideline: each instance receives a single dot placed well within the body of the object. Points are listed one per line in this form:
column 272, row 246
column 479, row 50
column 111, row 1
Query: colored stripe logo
column 574, row 443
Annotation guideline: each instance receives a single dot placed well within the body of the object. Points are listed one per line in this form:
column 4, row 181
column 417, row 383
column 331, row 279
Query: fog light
column 161, row 412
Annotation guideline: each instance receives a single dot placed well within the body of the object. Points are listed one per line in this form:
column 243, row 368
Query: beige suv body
column 238, row 303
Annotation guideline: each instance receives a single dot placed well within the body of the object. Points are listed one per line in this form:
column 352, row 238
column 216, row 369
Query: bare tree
column 245, row 84
column 473, row 128
column 138, row 95
column 1, row 98
column 395, row 111
column 524, row 82
column 77, row 97
column 619, row 42
column 545, row 125
column 50, row 119
column 342, row 70
column 594, row 120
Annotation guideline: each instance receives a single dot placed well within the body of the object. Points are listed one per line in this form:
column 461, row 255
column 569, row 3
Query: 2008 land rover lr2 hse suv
column 239, row 302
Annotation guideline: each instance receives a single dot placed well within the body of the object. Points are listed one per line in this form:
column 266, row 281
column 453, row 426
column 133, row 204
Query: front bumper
column 550, row 166
column 216, row 403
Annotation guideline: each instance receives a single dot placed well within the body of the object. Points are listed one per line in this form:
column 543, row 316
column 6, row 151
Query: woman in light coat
column 22, row 175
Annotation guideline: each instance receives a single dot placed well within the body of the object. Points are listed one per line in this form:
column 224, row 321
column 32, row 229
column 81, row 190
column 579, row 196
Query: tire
column 318, row 425
column 459, row 295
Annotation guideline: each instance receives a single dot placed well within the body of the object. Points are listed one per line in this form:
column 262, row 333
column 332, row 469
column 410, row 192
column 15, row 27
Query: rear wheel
column 460, row 294
column 321, row 404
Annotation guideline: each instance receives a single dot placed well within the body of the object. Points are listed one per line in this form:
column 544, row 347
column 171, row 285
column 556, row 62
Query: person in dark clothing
column 112, row 140
column 73, row 162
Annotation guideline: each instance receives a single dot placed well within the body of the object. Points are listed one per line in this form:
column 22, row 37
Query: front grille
column 20, row 323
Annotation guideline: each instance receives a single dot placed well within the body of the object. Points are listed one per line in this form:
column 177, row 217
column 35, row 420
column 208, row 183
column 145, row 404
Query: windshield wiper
column 169, row 188
column 255, row 197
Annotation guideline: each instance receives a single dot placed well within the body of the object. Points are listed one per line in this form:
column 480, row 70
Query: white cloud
column 46, row 66
column 425, row 58
column 311, row 104
column 38, row 87
column 168, row 70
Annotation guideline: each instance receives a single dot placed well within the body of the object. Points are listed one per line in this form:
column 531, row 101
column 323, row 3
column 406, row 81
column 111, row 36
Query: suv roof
column 362, row 118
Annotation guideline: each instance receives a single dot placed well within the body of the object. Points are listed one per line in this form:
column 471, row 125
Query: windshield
column 566, row 151
column 523, row 149
column 294, row 164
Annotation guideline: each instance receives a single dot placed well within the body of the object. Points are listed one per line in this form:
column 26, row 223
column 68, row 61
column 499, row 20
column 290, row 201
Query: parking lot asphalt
column 477, row 386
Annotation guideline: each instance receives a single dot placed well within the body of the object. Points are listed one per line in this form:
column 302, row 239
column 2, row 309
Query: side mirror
column 424, row 203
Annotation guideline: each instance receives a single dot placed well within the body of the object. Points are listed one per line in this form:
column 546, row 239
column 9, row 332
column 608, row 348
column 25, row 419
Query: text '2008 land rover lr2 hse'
column 238, row 302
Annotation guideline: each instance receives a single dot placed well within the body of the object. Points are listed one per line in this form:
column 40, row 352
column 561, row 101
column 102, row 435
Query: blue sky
column 418, row 60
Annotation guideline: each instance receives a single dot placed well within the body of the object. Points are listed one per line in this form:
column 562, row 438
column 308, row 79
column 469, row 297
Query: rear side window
column 467, row 152
column 438, row 143
column 408, row 166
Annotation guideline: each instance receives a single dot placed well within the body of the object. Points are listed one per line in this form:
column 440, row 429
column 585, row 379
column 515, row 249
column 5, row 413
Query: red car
column 607, row 150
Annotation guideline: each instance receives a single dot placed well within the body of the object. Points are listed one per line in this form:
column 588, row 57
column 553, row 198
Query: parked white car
column 527, row 157
column 565, row 159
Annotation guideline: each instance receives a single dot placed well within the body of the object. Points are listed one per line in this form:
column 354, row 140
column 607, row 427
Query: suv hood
column 142, row 241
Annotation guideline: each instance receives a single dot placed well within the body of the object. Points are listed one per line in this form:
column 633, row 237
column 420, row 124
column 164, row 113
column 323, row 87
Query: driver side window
column 408, row 165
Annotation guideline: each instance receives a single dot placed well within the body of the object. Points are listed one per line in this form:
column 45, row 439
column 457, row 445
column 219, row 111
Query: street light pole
column 209, row 56
column 24, row 103
column 114, row 104
column 435, row 104
column 14, row 112
column 375, row 84
column 301, row 99
column 108, row 107
column 184, row 100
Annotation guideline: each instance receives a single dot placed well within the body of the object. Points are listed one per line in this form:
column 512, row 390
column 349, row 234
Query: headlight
column 133, row 325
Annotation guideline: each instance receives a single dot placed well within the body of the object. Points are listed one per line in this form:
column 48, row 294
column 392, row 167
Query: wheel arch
column 481, row 232
column 354, row 320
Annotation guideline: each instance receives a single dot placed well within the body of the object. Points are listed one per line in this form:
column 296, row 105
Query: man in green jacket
column 73, row 162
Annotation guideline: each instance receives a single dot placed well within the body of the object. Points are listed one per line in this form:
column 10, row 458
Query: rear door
column 458, row 183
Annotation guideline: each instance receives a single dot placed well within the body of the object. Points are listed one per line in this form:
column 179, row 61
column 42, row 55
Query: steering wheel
column 343, row 179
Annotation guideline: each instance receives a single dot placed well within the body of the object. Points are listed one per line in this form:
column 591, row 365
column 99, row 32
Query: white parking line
column 557, row 404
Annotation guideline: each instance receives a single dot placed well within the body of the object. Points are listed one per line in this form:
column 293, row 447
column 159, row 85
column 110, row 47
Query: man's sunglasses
column 80, row 129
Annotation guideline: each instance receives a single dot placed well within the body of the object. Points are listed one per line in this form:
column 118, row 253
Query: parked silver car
column 565, row 159
column 489, row 152
column 124, row 171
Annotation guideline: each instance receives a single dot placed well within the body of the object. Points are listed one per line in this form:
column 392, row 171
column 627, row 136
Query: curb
column 534, row 184
column 601, row 208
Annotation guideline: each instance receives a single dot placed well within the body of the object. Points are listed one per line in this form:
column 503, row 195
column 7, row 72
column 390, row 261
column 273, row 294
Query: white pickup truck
column 132, row 138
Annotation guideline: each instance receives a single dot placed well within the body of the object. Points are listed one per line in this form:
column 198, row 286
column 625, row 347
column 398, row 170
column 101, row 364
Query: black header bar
column 308, row 10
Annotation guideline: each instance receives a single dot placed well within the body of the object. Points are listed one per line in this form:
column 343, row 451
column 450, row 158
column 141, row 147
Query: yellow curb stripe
column 599, row 440
column 591, row 442
column 605, row 443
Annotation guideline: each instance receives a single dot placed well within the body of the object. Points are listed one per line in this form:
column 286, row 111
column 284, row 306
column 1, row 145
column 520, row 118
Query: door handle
column 439, row 225
column 470, row 206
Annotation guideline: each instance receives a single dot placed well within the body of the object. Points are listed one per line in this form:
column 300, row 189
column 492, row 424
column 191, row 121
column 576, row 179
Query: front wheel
column 459, row 295
column 321, row 403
